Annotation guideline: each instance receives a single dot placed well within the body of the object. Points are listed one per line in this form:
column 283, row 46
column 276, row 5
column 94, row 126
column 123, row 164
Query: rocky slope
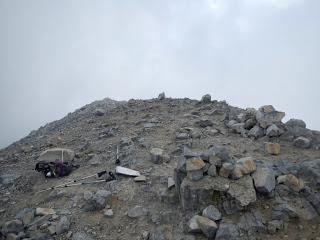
column 208, row 171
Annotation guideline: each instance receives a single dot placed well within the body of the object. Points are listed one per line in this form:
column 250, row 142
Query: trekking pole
column 78, row 184
column 117, row 156
column 99, row 174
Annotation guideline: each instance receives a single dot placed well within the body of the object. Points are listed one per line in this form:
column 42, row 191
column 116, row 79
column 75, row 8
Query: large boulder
column 310, row 171
column 264, row 180
column 302, row 142
column 54, row 154
column 206, row 98
column 267, row 115
column 196, row 195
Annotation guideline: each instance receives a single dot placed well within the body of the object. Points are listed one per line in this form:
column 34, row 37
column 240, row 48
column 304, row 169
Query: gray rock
column 212, row 171
column 98, row 112
column 137, row 211
column 302, row 142
column 264, row 180
column 199, row 194
column 267, row 115
column 206, row 99
column 310, row 171
column 182, row 164
column 26, row 216
column 251, row 223
column 44, row 211
column 162, row 96
column 296, row 123
column 283, row 212
column 194, row 167
column 63, row 225
column 212, row 213
column 182, row 136
column 54, row 154
column 96, row 160
column 274, row 131
column 171, row 182
column 140, row 178
column 14, row 226
column 193, row 226
column 188, row 153
column 108, row 213
column 227, row 231
column 97, row 201
column 220, row 152
column 156, row 155
column 274, row 226
column 207, row 226
column 81, row 236
column 8, row 179
column 236, row 127
column 204, row 123
column 226, row 170
column 250, row 123
column 256, row 132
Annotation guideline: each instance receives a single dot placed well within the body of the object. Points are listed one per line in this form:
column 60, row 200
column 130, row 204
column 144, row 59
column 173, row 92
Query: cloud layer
column 59, row 55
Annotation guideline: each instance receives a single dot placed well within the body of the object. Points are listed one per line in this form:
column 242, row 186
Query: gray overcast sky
column 56, row 56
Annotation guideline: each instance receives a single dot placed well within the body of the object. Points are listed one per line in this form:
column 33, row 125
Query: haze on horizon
column 57, row 56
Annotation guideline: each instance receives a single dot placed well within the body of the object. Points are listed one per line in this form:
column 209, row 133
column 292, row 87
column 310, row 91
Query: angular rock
column 162, row 96
column 250, row 123
column 246, row 165
column 26, row 216
column 212, row 213
column 156, row 155
column 264, row 180
column 188, row 153
column 204, row 123
column 206, row 99
column 256, row 132
column 267, row 115
column 236, row 127
column 44, row 211
column 296, row 123
column 97, row 201
column 302, row 142
column 182, row 136
column 274, row 131
column 207, row 226
column 194, row 167
column 137, row 211
column 63, row 225
column 251, row 223
column 273, row 148
column 99, row 112
column 140, row 178
column 274, row 226
column 310, row 171
column 108, row 213
column 54, row 154
column 226, row 170
column 291, row 181
column 227, row 231
column 193, row 226
column 212, row 171
column 14, row 226
column 171, row 182
column 199, row 194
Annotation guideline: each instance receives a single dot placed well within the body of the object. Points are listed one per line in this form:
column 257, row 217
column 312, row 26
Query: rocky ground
column 208, row 171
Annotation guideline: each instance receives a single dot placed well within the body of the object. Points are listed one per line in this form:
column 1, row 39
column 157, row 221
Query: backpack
column 54, row 169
